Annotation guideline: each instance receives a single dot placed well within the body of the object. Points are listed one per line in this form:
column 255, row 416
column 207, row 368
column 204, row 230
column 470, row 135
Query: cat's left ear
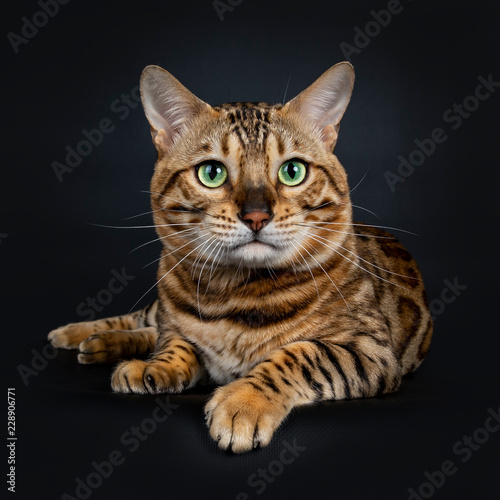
column 169, row 106
column 325, row 101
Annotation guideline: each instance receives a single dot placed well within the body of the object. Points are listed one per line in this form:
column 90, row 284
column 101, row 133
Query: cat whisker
column 209, row 257
column 270, row 271
column 316, row 238
column 239, row 271
column 194, row 266
column 295, row 268
column 344, row 232
column 368, row 225
column 327, row 275
column 199, row 277
column 193, row 230
column 371, row 263
column 286, row 88
column 165, row 275
column 221, row 252
column 143, row 213
column 178, row 248
column 365, row 209
column 221, row 247
column 314, row 208
column 362, row 179
column 309, row 267
column 180, row 202
column 247, row 278
column 151, row 227
column 157, row 210
column 340, row 203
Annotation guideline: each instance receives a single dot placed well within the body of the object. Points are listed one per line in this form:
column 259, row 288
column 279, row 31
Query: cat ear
column 325, row 101
column 169, row 106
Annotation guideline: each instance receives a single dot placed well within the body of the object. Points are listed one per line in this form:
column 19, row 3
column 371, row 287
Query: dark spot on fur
column 396, row 251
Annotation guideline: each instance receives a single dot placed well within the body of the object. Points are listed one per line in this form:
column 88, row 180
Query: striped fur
column 311, row 307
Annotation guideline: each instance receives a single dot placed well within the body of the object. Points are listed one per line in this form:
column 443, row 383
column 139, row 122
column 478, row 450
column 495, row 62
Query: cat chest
column 230, row 350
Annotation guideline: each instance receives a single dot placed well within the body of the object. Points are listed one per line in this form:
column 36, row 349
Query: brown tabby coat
column 267, row 288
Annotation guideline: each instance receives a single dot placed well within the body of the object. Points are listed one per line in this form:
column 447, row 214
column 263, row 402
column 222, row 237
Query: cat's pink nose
column 256, row 220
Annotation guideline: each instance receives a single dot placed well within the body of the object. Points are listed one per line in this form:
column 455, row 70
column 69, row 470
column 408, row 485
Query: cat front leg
column 70, row 336
column 110, row 339
column 115, row 345
column 173, row 367
column 245, row 413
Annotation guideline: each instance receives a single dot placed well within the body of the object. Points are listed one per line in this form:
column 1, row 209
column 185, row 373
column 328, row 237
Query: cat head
column 249, row 184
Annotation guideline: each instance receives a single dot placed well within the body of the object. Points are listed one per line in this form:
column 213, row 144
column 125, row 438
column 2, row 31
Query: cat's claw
column 240, row 419
column 143, row 377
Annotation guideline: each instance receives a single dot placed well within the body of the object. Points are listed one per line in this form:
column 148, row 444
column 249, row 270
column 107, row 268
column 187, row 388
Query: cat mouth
column 255, row 243
column 255, row 252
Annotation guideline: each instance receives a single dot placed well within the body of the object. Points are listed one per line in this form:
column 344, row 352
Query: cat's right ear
column 169, row 106
column 324, row 102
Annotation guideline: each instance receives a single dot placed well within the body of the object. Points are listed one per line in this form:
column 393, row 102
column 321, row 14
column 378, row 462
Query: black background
column 66, row 79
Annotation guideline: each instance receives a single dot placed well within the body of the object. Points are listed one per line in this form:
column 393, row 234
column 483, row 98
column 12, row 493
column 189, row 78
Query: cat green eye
column 212, row 174
column 292, row 172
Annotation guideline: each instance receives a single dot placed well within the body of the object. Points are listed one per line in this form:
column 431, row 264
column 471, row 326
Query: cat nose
column 256, row 220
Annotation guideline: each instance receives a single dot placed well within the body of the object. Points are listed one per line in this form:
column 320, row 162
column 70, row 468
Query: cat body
column 265, row 284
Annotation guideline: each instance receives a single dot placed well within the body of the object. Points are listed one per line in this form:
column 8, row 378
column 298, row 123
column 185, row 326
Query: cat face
column 249, row 184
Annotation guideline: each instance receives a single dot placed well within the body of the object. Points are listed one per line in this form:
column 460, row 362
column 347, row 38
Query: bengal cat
column 265, row 285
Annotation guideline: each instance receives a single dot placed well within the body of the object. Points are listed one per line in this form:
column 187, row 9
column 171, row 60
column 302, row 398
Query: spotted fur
column 310, row 307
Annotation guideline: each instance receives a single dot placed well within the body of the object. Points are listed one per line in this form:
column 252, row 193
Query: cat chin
column 257, row 254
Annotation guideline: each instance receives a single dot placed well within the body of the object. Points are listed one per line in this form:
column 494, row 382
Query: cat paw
column 102, row 347
column 147, row 377
column 240, row 418
column 70, row 336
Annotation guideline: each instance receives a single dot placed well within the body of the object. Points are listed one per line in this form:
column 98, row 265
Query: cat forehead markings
column 250, row 123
